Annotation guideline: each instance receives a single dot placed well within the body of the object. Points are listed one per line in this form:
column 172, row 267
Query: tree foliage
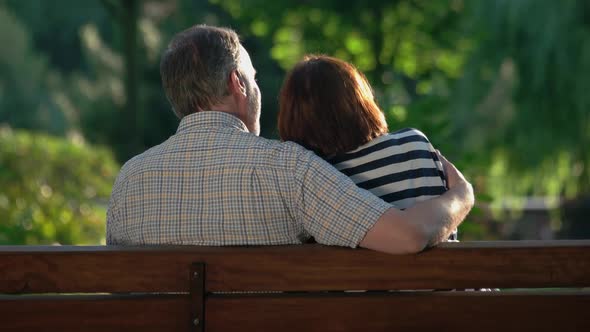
column 521, row 98
column 27, row 95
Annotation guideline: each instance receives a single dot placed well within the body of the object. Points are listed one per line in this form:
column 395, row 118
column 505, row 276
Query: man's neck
column 229, row 106
column 227, row 111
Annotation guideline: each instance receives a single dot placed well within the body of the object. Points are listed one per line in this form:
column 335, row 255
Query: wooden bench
column 296, row 288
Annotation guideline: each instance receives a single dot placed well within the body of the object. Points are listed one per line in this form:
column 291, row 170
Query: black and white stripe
column 402, row 168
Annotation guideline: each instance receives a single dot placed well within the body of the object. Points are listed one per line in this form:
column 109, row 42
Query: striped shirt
column 213, row 183
column 402, row 168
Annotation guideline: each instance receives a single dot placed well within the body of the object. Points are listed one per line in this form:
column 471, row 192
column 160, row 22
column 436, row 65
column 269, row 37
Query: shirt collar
column 211, row 119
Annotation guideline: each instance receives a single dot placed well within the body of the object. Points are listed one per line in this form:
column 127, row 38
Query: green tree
column 522, row 102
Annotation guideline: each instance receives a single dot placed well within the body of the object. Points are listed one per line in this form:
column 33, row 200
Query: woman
column 327, row 106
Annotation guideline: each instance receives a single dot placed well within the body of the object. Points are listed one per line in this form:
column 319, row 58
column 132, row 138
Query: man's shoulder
column 265, row 150
column 280, row 146
column 284, row 155
column 139, row 162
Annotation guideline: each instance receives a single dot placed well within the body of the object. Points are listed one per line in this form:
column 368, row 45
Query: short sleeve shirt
column 213, row 183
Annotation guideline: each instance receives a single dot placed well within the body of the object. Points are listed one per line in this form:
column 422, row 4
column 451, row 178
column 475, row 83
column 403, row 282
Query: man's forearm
column 439, row 216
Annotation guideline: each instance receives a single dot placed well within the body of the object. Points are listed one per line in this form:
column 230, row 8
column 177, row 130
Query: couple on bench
column 338, row 176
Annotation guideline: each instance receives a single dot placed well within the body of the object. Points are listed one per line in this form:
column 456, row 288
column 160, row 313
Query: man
column 215, row 182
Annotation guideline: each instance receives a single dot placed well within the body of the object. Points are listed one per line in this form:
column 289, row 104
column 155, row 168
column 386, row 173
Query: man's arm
column 426, row 223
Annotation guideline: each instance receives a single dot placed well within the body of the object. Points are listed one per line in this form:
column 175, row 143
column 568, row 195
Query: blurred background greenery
column 499, row 86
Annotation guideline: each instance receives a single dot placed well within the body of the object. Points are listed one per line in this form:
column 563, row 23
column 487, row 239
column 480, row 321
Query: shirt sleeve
column 330, row 206
column 113, row 221
column 437, row 162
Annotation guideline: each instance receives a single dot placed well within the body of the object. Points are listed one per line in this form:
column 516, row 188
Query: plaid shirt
column 213, row 183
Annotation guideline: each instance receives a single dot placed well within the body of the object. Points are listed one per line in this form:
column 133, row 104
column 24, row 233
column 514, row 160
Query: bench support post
column 197, row 297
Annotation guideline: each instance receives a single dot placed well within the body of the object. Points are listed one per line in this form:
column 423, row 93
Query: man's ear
column 236, row 84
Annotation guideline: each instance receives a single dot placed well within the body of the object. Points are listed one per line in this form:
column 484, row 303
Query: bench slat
column 95, row 313
column 449, row 311
column 480, row 312
column 293, row 268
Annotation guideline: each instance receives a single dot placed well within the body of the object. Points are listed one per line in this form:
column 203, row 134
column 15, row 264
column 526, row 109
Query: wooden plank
column 293, row 268
column 294, row 312
column 478, row 311
column 96, row 313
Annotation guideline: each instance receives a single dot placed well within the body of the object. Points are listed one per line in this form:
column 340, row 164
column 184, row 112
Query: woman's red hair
column 327, row 106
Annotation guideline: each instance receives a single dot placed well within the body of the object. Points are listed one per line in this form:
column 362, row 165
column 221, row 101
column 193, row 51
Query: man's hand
column 456, row 181
column 454, row 176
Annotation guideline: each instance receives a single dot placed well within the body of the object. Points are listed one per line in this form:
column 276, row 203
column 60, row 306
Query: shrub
column 52, row 190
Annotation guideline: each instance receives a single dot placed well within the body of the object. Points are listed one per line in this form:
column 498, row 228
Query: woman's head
column 327, row 105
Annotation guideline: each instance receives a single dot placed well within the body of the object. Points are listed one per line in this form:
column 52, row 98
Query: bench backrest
column 289, row 288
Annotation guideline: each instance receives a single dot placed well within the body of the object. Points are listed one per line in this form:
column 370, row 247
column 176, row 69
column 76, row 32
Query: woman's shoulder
column 400, row 142
column 407, row 132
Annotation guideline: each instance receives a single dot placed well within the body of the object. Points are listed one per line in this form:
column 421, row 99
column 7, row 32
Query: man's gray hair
column 195, row 67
